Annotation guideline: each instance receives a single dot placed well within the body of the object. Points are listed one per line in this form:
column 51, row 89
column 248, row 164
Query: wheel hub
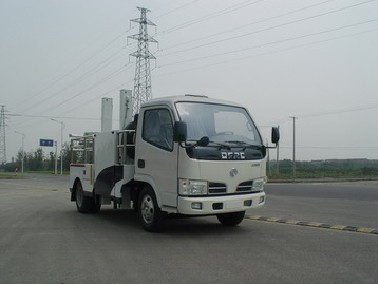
column 147, row 209
column 79, row 196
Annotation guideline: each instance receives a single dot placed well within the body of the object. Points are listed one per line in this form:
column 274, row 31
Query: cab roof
column 187, row 98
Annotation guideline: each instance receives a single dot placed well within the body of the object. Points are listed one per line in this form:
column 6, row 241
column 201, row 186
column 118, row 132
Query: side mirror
column 275, row 135
column 179, row 131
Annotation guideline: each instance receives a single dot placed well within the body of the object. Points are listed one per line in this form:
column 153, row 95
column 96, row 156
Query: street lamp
column 22, row 151
column 61, row 142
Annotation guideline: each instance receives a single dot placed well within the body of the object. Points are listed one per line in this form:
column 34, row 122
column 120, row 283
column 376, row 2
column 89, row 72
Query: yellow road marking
column 313, row 224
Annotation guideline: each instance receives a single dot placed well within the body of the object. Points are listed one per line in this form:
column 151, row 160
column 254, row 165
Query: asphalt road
column 350, row 204
column 44, row 240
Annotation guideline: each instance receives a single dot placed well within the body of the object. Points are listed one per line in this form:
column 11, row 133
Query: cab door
column 156, row 155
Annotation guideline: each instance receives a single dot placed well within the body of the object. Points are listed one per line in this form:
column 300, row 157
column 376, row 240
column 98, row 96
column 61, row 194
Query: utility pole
column 3, row 153
column 294, row 161
column 142, row 80
column 61, row 143
column 22, row 151
column 278, row 155
column 268, row 158
column 56, row 157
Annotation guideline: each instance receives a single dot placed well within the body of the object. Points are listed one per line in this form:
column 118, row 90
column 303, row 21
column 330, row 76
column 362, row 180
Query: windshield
column 220, row 123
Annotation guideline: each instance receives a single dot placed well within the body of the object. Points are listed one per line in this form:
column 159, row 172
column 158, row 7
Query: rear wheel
column 150, row 216
column 96, row 204
column 85, row 204
column 231, row 219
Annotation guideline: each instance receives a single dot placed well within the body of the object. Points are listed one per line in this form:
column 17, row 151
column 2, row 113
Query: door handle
column 141, row 163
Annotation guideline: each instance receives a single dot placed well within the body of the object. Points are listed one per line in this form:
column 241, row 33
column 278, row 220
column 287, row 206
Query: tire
column 150, row 216
column 84, row 204
column 96, row 206
column 231, row 219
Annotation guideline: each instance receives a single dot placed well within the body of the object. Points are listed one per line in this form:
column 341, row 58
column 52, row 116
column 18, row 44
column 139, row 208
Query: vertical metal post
column 268, row 158
column 294, row 159
column 61, row 143
column 61, row 149
column 278, row 155
column 22, row 156
column 56, row 156
column 3, row 152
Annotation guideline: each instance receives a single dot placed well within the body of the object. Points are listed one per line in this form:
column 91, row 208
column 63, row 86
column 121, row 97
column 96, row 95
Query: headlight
column 258, row 184
column 192, row 187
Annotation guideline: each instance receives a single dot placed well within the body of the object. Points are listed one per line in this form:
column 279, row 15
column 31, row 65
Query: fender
column 106, row 180
column 150, row 180
column 73, row 190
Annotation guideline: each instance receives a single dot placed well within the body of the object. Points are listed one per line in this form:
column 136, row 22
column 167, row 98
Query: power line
column 117, row 72
column 248, row 24
column 52, row 116
column 333, row 112
column 60, row 115
column 242, row 50
column 99, row 96
column 266, row 53
column 271, row 27
column 175, row 9
column 54, row 81
column 99, row 67
column 258, row 46
column 225, row 11
column 324, row 113
column 77, row 106
column 163, row 6
column 94, row 70
column 102, row 65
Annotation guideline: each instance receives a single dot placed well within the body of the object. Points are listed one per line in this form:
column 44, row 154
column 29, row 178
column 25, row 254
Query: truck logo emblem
column 233, row 155
column 233, row 172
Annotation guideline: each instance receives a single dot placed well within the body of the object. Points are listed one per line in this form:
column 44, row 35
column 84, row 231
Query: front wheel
column 150, row 216
column 231, row 219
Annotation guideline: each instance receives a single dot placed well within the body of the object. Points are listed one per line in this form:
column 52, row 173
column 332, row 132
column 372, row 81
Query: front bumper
column 211, row 205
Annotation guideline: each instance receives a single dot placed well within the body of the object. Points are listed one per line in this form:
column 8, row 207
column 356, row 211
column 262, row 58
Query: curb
column 314, row 224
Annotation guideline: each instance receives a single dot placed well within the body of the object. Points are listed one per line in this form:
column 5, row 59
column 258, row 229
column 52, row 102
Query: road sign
column 46, row 142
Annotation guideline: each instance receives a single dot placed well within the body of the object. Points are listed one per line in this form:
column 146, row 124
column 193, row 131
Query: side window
column 158, row 128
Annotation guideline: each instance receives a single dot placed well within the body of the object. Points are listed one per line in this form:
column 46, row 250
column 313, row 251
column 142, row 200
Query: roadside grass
column 48, row 172
column 13, row 175
column 324, row 174
column 7, row 175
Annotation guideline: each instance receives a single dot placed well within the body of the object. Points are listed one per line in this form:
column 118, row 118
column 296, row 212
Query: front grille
column 244, row 186
column 216, row 188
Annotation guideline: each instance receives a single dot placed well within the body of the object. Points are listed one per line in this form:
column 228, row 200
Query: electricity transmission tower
column 3, row 157
column 142, row 80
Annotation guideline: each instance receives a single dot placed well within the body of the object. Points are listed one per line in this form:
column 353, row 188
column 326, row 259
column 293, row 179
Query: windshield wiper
column 205, row 141
column 220, row 145
column 244, row 144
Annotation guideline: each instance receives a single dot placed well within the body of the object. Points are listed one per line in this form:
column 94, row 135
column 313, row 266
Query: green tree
column 51, row 163
column 19, row 156
column 35, row 160
column 66, row 156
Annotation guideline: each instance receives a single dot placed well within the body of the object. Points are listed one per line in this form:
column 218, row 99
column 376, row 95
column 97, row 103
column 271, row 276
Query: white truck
column 188, row 155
